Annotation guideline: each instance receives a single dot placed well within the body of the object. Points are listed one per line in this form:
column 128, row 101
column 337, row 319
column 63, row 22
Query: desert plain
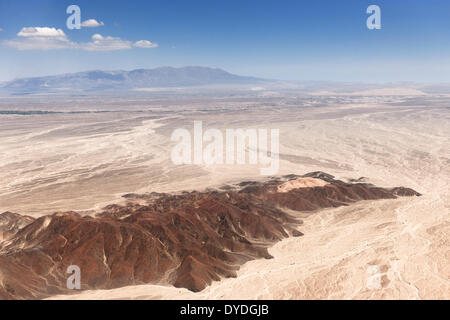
column 64, row 153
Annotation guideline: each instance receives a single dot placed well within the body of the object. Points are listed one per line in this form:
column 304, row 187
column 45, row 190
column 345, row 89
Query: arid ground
column 84, row 153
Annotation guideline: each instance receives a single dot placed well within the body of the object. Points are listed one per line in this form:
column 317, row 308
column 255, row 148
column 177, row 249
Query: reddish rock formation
column 186, row 240
column 10, row 223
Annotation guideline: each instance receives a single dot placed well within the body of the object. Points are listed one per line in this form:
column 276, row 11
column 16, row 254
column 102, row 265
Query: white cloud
column 44, row 38
column 97, row 37
column 92, row 23
column 1, row 29
column 41, row 32
column 41, row 43
column 145, row 44
column 101, row 43
column 40, row 38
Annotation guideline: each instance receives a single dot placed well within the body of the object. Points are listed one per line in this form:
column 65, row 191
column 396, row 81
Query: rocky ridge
column 186, row 240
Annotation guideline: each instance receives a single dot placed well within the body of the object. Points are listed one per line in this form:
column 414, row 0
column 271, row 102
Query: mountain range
column 97, row 80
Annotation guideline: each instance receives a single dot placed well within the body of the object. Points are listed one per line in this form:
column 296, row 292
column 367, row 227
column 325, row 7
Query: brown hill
column 186, row 240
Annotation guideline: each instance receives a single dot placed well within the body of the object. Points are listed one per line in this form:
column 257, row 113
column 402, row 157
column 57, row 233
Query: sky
column 287, row 40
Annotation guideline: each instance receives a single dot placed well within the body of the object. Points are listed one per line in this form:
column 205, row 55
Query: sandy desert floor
column 83, row 161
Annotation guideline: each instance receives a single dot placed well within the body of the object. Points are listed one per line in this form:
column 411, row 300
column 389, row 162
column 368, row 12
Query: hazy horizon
column 368, row 82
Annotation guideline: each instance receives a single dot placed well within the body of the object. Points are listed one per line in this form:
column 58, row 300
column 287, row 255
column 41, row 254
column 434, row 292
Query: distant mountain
column 126, row 80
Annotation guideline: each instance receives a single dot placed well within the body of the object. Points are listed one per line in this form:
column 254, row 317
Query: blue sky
column 292, row 40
